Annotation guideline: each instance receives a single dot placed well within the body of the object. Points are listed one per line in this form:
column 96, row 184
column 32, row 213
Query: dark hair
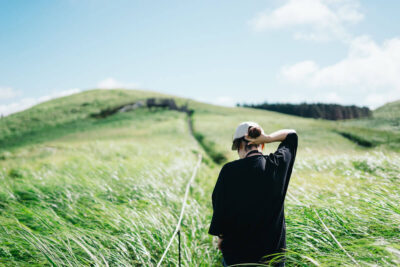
column 252, row 132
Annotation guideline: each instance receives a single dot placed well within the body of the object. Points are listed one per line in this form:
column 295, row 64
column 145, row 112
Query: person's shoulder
column 237, row 163
column 228, row 166
column 269, row 156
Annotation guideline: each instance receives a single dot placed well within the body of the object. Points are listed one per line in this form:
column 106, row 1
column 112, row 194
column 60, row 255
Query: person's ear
column 262, row 146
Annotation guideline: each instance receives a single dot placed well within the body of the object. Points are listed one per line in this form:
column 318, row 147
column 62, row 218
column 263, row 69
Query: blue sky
column 222, row 52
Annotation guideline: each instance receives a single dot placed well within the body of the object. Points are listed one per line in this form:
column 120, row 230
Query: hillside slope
column 390, row 110
column 64, row 115
column 382, row 129
column 79, row 190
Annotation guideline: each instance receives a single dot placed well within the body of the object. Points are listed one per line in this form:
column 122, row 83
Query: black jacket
column 248, row 201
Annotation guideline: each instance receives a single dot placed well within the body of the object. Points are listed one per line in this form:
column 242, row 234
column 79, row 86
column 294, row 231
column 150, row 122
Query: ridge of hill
column 57, row 117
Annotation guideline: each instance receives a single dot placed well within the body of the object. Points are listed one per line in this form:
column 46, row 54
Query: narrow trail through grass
column 178, row 225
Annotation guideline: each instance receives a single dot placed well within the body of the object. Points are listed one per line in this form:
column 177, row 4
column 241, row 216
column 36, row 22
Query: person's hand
column 263, row 138
column 219, row 243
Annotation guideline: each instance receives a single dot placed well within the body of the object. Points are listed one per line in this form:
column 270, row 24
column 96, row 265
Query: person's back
column 248, row 202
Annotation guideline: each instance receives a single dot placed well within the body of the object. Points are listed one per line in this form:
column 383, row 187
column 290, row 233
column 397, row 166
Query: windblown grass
column 357, row 198
column 342, row 203
column 79, row 191
column 106, row 197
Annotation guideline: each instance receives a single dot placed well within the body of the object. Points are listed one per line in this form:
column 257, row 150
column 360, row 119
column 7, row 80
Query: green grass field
column 75, row 190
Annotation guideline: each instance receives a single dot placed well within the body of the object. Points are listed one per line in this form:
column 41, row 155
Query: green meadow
column 82, row 191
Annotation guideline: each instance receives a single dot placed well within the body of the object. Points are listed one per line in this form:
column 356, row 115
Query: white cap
column 243, row 129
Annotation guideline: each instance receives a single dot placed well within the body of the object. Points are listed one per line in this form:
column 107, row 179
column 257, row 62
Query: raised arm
column 273, row 137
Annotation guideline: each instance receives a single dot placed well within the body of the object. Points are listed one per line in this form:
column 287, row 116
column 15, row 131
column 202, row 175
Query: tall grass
column 342, row 203
column 108, row 192
column 111, row 201
column 353, row 198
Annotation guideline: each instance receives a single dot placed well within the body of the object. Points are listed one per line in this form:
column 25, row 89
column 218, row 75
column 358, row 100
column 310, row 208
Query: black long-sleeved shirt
column 248, row 201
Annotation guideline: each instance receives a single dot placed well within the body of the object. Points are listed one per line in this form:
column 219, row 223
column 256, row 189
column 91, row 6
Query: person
column 248, row 197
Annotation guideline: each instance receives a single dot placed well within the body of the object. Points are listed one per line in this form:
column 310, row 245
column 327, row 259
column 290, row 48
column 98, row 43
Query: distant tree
column 315, row 110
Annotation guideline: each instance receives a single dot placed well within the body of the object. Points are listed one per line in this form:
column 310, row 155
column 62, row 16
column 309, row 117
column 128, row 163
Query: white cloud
column 300, row 71
column 29, row 102
column 8, row 92
column 111, row 83
column 368, row 75
column 311, row 19
column 370, row 70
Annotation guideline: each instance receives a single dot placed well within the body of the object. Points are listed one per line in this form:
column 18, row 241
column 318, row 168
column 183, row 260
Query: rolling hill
column 79, row 189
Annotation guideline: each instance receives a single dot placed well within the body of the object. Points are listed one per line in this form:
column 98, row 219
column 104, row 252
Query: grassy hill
column 382, row 129
column 78, row 190
column 388, row 111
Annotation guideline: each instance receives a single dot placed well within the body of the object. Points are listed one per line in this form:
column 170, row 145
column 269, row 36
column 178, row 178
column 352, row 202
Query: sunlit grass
column 108, row 192
column 342, row 202
column 112, row 200
column 357, row 198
